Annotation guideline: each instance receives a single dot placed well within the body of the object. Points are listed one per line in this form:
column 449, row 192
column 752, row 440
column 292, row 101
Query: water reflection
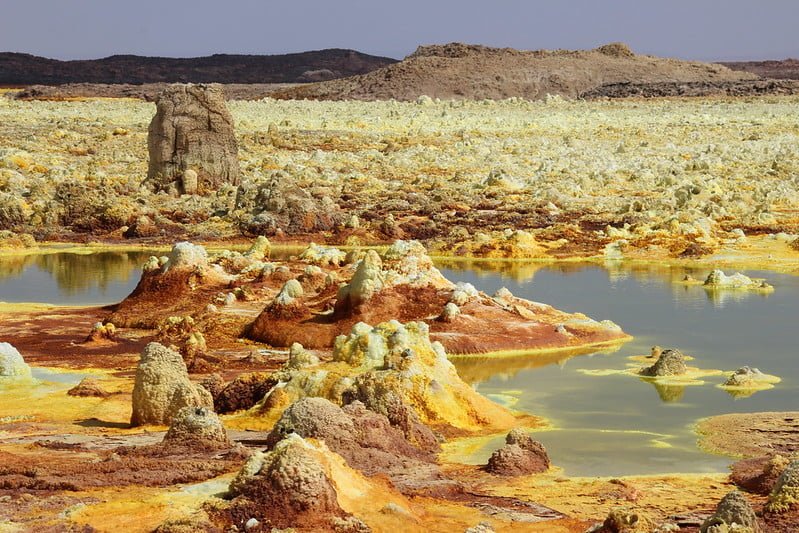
column 476, row 369
column 70, row 278
column 519, row 271
column 667, row 392
column 605, row 426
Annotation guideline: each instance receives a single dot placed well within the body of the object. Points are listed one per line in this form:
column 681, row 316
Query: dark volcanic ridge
column 24, row 69
column 786, row 69
column 463, row 71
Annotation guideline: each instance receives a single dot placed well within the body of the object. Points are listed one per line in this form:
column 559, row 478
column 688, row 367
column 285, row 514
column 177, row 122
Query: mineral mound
column 521, row 455
column 385, row 366
column 733, row 510
column 290, row 486
column 463, row 71
column 192, row 141
column 402, row 283
column 163, row 388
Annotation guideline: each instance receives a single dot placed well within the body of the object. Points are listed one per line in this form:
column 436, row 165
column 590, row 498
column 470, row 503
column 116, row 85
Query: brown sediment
column 750, row 434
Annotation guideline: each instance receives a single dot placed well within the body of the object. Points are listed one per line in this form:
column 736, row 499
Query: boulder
column 625, row 520
column 191, row 141
column 197, row 427
column 521, row 455
column 162, row 387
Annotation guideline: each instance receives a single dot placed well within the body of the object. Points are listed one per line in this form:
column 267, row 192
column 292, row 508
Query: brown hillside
column 457, row 71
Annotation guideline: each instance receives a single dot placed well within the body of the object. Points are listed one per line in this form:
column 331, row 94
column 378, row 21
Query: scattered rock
column 743, row 377
column 450, row 312
column 656, row 352
column 259, row 249
column 299, row 358
column 322, row 255
column 367, row 440
column 162, row 387
column 482, row 527
column 102, row 332
column 367, row 280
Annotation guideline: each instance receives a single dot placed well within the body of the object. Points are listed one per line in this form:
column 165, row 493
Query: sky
column 697, row 29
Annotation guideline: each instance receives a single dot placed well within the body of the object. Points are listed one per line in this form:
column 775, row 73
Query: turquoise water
column 603, row 425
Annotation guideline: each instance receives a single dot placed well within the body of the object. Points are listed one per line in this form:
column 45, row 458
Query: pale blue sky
column 697, row 29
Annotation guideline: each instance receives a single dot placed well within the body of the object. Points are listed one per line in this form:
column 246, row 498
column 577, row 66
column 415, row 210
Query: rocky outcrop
column 759, row 475
column 717, row 279
column 162, row 387
column 197, row 427
column 386, row 367
column 748, row 377
column 179, row 285
column 277, row 203
column 88, row 387
column 11, row 362
column 187, row 256
column 670, row 363
column 521, row 455
column 733, row 514
column 191, row 141
column 288, row 486
column 785, row 495
column 244, row 392
column 367, row 280
column 365, row 439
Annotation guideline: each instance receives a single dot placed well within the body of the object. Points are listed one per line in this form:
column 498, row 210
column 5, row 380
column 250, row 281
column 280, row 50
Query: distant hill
column 465, row 71
column 24, row 69
column 787, row 69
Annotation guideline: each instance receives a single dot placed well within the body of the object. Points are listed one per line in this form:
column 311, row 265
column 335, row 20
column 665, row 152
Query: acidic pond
column 616, row 425
column 70, row 278
column 601, row 425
